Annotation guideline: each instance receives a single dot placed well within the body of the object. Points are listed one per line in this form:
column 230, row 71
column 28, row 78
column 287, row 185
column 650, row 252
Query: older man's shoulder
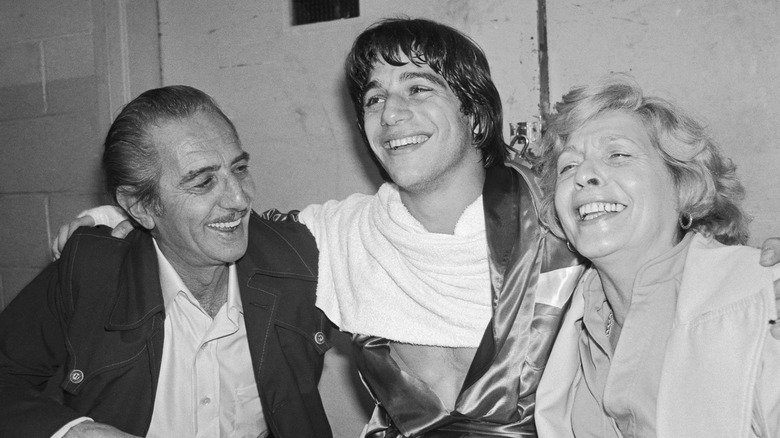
column 95, row 244
column 278, row 241
column 101, row 235
column 274, row 224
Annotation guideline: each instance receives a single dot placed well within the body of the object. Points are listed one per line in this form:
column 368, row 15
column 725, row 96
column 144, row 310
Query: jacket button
column 76, row 376
column 319, row 338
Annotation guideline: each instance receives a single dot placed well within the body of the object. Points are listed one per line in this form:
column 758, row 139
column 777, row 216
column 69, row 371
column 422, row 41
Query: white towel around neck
column 382, row 274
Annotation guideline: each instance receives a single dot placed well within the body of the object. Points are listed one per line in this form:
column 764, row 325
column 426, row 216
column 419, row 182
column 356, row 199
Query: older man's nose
column 237, row 196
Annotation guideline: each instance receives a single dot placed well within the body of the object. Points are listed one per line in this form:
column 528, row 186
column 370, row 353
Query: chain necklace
column 610, row 323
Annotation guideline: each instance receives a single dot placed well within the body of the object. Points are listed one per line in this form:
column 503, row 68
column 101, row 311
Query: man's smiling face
column 205, row 192
column 415, row 127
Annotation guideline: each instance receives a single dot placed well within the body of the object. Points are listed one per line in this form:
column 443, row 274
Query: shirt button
column 319, row 338
column 76, row 376
column 204, row 401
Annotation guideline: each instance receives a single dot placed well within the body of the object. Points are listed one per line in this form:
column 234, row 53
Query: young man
column 451, row 287
column 176, row 330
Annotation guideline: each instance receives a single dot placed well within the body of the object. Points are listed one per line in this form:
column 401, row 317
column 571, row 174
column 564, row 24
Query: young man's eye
column 370, row 101
column 419, row 89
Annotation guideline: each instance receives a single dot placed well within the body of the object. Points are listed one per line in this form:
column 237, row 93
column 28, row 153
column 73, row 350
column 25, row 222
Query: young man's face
column 206, row 192
column 415, row 127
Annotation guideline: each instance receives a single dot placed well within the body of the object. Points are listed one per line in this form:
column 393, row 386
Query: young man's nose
column 396, row 110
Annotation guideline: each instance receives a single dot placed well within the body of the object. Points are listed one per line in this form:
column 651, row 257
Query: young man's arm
column 770, row 256
column 108, row 215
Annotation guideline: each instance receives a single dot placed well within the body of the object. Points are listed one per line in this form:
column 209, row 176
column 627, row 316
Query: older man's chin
column 231, row 247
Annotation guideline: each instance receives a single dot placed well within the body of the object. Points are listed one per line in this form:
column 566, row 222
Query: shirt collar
column 172, row 284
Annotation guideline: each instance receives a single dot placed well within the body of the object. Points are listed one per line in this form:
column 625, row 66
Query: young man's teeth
column 395, row 144
column 596, row 209
column 225, row 225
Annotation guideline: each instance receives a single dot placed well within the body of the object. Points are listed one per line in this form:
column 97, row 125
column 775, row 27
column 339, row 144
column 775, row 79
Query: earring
column 685, row 220
column 571, row 248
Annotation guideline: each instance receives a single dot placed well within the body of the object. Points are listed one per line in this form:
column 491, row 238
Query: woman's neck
column 617, row 291
column 618, row 273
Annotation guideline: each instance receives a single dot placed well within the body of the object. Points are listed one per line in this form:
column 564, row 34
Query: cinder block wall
column 49, row 140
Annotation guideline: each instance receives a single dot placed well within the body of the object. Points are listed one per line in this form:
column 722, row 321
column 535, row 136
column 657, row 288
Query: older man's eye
column 206, row 183
column 241, row 169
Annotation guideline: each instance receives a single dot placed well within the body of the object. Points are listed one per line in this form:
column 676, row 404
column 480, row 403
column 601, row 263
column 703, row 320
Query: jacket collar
column 278, row 248
column 501, row 199
column 139, row 295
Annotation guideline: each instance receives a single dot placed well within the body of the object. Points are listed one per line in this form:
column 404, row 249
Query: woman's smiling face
column 614, row 194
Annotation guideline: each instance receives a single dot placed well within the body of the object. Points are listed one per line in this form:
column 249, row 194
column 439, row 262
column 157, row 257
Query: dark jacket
column 97, row 314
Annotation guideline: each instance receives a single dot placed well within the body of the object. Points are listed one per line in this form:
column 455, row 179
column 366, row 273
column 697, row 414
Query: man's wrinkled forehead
column 192, row 150
column 207, row 143
column 201, row 128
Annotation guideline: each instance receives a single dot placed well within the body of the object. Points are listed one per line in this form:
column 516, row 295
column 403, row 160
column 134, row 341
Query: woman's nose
column 588, row 174
column 396, row 110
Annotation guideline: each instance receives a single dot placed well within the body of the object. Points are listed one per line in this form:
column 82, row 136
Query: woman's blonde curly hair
column 708, row 188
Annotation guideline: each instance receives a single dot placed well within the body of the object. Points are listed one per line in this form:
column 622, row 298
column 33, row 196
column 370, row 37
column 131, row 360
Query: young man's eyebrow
column 370, row 86
column 409, row 75
column 436, row 79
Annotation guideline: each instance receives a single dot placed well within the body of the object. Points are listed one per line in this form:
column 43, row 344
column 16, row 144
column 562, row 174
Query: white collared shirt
column 207, row 387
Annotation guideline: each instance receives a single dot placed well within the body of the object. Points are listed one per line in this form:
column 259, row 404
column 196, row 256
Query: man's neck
column 210, row 288
column 208, row 284
column 440, row 208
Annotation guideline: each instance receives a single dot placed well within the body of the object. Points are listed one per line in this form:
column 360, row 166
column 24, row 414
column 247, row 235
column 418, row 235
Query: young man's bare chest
column 443, row 369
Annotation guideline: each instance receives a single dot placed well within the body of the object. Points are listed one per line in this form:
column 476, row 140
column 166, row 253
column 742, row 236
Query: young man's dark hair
column 448, row 52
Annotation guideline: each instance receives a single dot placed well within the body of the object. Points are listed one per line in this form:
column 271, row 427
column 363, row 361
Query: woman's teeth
column 596, row 209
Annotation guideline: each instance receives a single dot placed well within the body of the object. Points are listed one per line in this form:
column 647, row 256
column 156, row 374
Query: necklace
column 610, row 322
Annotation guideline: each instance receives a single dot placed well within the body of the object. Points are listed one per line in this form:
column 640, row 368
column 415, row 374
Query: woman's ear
column 142, row 213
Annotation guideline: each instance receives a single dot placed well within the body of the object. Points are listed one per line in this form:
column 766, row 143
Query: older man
column 173, row 331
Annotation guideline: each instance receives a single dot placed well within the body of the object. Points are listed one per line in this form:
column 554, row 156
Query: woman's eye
column 565, row 168
column 619, row 155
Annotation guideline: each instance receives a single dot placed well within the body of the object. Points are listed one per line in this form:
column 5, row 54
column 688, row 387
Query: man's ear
column 475, row 129
column 135, row 208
